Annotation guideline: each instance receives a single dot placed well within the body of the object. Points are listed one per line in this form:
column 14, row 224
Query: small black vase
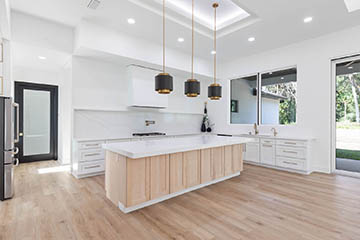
column 203, row 127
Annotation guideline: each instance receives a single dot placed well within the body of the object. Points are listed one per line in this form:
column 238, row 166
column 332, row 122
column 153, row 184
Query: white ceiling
column 352, row 5
column 204, row 12
column 281, row 22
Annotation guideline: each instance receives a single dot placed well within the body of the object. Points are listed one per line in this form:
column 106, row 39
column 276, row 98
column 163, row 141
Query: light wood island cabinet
column 132, row 184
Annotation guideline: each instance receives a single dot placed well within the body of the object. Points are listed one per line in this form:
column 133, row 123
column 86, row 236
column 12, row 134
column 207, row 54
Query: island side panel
column 115, row 178
column 138, row 181
column 192, row 168
column 206, row 166
column 217, row 158
column 177, row 181
column 228, row 160
column 237, row 156
column 159, row 176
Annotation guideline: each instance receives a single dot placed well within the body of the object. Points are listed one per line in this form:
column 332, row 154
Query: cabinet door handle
column 91, row 154
column 97, row 166
column 266, row 145
column 293, row 152
column 290, row 143
column 291, row 163
column 92, row 145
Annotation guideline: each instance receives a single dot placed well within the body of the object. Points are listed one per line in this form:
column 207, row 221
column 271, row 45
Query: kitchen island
column 139, row 174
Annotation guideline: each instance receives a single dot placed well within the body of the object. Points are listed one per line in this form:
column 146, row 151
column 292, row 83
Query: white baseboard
column 87, row 175
column 172, row 195
column 279, row 168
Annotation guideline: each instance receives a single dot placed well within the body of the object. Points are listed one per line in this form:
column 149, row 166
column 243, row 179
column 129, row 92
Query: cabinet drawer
column 90, row 145
column 291, row 152
column 290, row 163
column 93, row 167
column 291, row 143
column 92, row 155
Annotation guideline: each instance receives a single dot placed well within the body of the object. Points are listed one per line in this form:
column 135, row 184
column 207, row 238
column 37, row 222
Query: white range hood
column 142, row 94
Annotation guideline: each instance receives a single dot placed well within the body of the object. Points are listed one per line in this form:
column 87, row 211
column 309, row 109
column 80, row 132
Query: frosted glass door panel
column 36, row 122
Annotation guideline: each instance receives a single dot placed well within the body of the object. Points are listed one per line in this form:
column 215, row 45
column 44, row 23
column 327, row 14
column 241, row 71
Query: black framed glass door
column 38, row 121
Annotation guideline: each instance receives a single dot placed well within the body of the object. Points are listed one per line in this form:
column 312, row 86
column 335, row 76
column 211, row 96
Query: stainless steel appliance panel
column 8, row 157
column 8, row 181
column 8, row 125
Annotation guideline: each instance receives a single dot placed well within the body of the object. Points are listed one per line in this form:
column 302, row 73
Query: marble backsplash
column 110, row 124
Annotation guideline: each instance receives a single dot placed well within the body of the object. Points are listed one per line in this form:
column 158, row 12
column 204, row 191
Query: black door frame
column 19, row 98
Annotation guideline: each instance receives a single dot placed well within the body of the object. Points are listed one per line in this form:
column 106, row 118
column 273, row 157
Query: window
column 278, row 100
column 244, row 100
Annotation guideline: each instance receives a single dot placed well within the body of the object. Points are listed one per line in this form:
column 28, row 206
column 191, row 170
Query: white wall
column 108, row 124
column 103, row 85
column 313, row 61
column 39, row 32
column 6, row 68
column 98, row 84
column 97, row 37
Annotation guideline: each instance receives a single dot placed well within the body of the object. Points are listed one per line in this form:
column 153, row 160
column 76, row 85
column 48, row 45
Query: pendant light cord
column 163, row 36
column 215, row 6
column 192, row 54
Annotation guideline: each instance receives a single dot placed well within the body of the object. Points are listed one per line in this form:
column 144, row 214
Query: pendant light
column 164, row 81
column 192, row 86
column 214, row 90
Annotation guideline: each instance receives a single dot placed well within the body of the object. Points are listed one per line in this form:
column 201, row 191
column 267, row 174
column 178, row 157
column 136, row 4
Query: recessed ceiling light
column 131, row 21
column 42, row 57
column 251, row 39
column 282, row 78
column 351, row 67
column 270, row 73
column 181, row 39
column 308, row 19
column 213, row 52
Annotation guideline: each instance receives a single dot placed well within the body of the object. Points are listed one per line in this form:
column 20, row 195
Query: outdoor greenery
column 347, row 110
column 348, row 154
column 287, row 114
column 347, row 98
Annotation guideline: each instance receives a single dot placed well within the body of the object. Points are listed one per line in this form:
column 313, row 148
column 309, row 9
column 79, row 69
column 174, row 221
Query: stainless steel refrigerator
column 9, row 135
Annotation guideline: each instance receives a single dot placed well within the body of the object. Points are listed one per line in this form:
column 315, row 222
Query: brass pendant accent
column 164, row 91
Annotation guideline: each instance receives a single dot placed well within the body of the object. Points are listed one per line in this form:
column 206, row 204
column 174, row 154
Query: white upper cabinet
column 142, row 88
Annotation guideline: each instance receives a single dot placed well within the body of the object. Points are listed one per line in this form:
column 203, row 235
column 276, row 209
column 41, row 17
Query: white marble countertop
column 278, row 137
column 155, row 147
column 124, row 137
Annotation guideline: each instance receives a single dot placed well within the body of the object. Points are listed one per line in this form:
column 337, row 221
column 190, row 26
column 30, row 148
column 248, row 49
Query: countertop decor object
column 192, row 86
column 164, row 81
column 215, row 89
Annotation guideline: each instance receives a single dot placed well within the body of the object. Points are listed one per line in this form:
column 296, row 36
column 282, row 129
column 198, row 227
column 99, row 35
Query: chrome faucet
column 149, row 122
column 274, row 132
column 256, row 129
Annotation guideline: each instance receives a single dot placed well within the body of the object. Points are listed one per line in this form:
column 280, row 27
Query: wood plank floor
column 261, row 204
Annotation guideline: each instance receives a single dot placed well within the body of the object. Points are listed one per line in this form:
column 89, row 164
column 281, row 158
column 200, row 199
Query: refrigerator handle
column 17, row 139
column 16, row 162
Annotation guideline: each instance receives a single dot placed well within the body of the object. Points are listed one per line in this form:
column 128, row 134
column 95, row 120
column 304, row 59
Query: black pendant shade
column 192, row 88
column 214, row 91
column 164, row 83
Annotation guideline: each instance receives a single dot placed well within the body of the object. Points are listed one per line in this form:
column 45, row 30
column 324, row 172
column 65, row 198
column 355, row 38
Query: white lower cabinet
column 292, row 155
column 267, row 153
column 252, row 152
